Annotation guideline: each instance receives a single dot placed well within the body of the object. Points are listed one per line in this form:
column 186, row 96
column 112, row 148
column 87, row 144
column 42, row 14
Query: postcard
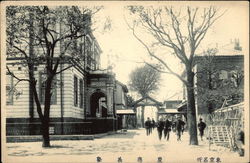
column 125, row 81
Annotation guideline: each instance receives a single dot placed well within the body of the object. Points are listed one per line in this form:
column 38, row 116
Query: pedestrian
column 160, row 127
column 174, row 125
column 167, row 128
column 147, row 126
column 153, row 123
column 179, row 127
column 151, row 127
column 201, row 127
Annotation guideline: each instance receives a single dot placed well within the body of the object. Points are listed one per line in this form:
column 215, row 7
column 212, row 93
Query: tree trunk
column 46, row 121
column 142, row 115
column 191, row 112
column 45, row 132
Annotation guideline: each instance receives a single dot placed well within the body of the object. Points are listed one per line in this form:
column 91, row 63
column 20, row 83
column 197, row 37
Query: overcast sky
column 126, row 52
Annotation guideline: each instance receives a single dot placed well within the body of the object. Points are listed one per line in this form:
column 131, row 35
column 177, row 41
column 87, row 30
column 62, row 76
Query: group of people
column 149, row 125
column 164, row 126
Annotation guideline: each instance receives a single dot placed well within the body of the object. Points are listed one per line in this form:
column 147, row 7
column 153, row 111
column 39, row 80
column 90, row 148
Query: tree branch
column 13, row 75
column 64, row 69
column 157, row 58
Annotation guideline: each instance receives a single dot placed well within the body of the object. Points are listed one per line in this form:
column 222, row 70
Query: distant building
column 141, row 104
column 170, row 109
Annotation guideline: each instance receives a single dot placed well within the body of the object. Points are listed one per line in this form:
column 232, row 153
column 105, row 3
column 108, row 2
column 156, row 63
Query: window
column 9, row 90
column 81, row 93
column 75, row 91
column 43, row 80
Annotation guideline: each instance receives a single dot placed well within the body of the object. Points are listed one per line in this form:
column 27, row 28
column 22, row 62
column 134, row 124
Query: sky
column 125, row 53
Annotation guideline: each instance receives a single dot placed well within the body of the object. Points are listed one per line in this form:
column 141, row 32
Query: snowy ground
column 128, row 146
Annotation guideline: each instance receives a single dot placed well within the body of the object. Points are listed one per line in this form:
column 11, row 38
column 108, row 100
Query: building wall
column 20, row 106
column 120, row 97
column 220, row 63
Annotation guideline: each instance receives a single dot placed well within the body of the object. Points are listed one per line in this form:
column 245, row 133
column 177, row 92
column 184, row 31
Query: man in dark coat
column 147, row 126
column 153, row 123
column 167, row 128
column 201, row 127
column 160, row 127
column 179, row 127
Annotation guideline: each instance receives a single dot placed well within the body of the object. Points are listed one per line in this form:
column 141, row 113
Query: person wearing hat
column 201, row 127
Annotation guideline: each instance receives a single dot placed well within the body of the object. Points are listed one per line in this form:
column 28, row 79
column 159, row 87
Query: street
column 129, row 146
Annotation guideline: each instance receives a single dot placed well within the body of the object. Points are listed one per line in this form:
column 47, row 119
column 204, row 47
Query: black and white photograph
column 125, row 81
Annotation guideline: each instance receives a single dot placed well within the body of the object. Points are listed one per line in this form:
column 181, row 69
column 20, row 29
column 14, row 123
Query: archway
column 144, row 102
column 98, row 105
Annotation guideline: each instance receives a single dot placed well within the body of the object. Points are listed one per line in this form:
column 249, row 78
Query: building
column 225, row 83
column 83, row 95
column 126, row 116
column 219, row 79
column 170, row 109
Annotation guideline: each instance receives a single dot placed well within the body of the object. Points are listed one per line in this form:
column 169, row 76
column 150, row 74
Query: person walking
column 150, row 127
column 179, row 127
column 147, row 126
column 201, row 127
column 160, row 127
column 174, row 125
column 153, row 123
column 167, row 128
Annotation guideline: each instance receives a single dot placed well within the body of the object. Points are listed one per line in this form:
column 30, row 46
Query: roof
column 147, row 101
column 100, row 74
column 182, row 106
column 125, row 111
column 173, row 111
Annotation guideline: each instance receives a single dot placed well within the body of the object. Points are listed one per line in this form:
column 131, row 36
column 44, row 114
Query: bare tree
column 144, row 80
column 180, row 32
column 33, row 35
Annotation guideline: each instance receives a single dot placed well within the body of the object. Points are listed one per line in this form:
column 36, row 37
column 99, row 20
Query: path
column 129, row 146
